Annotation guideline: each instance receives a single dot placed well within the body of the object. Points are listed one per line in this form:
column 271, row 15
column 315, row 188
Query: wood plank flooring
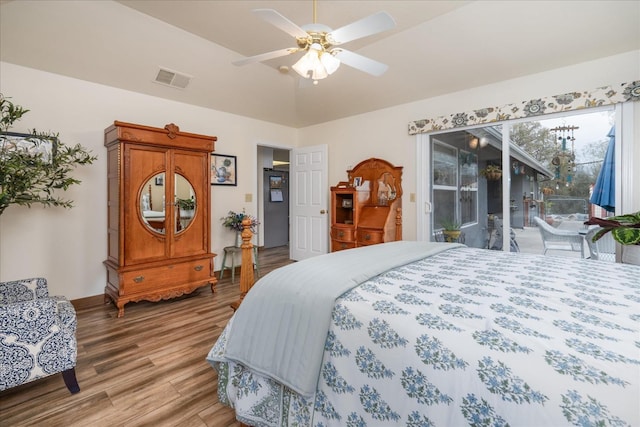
column 145, row 369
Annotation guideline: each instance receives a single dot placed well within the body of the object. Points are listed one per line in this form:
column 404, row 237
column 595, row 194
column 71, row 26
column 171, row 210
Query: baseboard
column 88, row 302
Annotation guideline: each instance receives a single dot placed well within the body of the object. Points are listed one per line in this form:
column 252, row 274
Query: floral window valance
column 601, row 96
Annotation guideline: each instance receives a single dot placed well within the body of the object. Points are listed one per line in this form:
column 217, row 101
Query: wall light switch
column 248, row 197
column 412, row 197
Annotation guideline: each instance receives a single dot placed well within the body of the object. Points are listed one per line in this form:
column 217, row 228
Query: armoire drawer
column 166, row 275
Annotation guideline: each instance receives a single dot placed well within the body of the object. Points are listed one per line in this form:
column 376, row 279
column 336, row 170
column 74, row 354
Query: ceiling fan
column 322, row 57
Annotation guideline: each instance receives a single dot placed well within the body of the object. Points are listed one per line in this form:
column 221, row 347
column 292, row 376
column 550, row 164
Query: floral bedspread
column 467, row 337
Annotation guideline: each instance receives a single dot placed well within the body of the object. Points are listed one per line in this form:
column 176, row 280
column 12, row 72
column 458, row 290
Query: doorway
column 307, row 168
column 275, row 202
column 273, row 197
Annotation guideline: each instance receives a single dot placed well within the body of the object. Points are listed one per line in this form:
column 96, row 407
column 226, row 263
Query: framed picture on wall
column 224, row 170
column 275, row 181
column 30, row 144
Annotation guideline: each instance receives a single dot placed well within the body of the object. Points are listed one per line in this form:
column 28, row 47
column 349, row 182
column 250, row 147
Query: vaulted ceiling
column 436, row 48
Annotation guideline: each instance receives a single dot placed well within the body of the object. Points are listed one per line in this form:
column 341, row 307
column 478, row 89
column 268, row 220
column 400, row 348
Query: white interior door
column 309, row 202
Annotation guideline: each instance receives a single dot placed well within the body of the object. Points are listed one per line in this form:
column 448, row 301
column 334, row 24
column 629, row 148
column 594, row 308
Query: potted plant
column 29, row 171
column 491, row 172
column 451, row 230
column 625, row 229
column 233, row 221
column 187, row 207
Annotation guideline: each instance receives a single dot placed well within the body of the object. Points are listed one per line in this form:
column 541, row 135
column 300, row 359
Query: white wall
column 384, row 133
column 67, row 246
column 634, row 203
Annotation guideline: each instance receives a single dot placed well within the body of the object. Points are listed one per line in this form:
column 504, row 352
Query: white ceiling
column 438, row 47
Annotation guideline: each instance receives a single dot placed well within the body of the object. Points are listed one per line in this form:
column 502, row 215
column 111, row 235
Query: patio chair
column 604, row 248
column 37, row 334
column 562, row 240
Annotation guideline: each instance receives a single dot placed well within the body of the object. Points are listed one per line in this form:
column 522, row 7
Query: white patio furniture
column 562, row 240
column 604, row 248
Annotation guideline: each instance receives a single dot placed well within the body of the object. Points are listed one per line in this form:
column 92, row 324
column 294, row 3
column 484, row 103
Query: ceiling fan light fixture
column 330, row 62
column 317, row 63
column 307, row 63
column 319, row 73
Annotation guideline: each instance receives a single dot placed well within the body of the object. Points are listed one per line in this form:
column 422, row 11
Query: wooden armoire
column 159, row 213
column 367, row 209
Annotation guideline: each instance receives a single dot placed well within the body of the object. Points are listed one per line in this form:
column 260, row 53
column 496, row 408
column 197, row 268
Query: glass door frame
column 624, row 126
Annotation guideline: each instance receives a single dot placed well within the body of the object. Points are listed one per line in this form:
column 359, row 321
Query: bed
column 435, row 334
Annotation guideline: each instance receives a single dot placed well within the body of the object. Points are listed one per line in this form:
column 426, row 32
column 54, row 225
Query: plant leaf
column 626, row 235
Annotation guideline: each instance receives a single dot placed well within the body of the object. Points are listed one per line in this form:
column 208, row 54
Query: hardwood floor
column 147, row 368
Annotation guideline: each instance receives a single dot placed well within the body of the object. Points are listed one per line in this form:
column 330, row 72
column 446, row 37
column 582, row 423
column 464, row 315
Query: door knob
column 322, row 212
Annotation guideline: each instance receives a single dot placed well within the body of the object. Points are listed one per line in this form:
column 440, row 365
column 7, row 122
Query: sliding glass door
column 499, row 177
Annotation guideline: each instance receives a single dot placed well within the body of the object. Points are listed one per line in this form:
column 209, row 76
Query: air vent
column 172, row 78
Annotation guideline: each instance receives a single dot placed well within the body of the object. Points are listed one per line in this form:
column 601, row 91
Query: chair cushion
column 17, row 364
column 37, row 338
column 23, row 290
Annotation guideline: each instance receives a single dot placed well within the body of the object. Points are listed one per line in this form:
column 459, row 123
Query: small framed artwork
column 275, row 181
column 160, row 179
column 357, row 181
column 32, row 145
column 224, row 170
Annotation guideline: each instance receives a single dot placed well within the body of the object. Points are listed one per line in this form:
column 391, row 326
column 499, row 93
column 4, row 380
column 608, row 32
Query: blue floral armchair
column 37, row 334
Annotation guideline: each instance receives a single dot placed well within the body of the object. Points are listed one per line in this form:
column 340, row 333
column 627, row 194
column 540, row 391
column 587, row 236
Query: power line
column 589, row 163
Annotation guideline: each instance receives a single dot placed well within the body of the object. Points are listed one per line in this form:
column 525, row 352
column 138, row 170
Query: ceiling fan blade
column 370, row 25
column 361, row 63
column 266, row 56
column 276, row 19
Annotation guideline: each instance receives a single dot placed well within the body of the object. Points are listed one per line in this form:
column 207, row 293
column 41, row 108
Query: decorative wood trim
column 246, row 270
column 172, row 130
column 399, row 224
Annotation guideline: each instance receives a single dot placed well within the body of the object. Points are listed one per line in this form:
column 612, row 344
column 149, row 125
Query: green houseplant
column 29, row 174
column 451, row 230
column 625, row 229
column 186, row 204
column 187, row 209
